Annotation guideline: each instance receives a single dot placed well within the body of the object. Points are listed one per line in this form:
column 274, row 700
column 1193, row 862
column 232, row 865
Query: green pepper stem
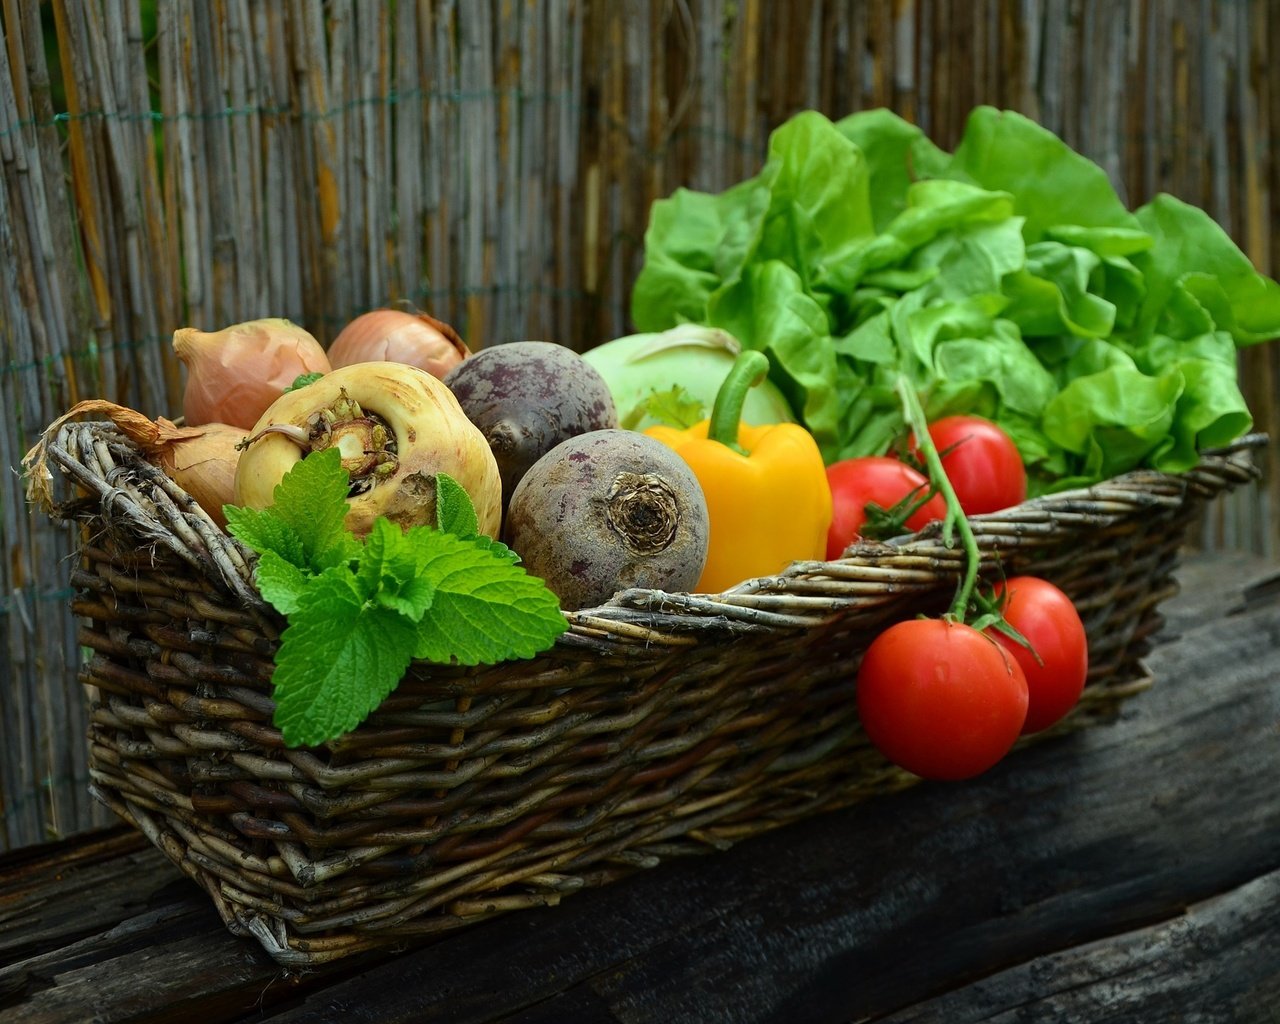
column 955, row 514
column 748, row 370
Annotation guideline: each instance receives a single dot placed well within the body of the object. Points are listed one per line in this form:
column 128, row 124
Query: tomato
column 983, row 464
column 1046, row 617
column 940, row 699
column 878, row 479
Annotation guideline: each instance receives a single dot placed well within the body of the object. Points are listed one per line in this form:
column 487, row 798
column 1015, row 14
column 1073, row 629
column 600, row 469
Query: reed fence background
column 170, row 162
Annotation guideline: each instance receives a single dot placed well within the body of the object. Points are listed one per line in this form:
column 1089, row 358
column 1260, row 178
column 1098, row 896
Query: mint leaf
column 338, row 660
column 412, row 600
column 280, row 581
column 304, row 523
column 485, row 609
column 312, row 498
column 454, row 511
column 456, row 515
column 263, row 531
column 496, row 547
column 390, row 572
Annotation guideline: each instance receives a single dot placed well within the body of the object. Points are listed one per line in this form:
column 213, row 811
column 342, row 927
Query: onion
column 235, row 373
column 201, row 460
column 396, row 336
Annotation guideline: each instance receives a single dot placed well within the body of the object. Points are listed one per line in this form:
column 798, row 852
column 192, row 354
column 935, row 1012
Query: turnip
column 608, row 510
column 528, row 396
column 396, row 426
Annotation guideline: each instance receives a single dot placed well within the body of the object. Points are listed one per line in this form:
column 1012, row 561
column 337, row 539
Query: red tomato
column 1047, row 618
column 983, row 465
column 878, row 479
column 940, row 699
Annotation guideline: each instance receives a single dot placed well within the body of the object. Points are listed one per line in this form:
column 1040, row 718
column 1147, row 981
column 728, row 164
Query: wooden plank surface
column 1129, row 872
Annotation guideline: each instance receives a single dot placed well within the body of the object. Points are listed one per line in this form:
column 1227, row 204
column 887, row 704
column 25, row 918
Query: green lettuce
column 1006, row 279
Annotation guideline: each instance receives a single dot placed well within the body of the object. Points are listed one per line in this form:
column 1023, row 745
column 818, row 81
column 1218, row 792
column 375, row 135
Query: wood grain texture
column 1170, row 971
column 1123, row 873
column 494, row 163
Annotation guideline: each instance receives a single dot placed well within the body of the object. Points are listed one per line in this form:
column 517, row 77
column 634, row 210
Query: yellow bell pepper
column 766, row 486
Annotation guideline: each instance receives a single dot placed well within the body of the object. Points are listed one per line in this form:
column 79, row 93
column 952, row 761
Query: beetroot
column 608, row 510
column 528, row 396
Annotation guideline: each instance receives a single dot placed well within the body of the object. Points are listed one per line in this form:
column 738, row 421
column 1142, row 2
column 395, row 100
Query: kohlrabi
column 644, row 371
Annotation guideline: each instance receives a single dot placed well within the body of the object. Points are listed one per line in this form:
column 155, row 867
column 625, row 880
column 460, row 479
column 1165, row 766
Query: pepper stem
column 748, row 370
column 956, row 518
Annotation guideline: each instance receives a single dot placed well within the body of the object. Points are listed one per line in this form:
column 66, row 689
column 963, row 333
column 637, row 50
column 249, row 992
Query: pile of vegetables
column 374, row 481
column 957, row 331
column 869, row 336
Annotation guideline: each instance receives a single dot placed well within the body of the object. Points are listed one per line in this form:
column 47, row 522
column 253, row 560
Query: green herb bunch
column 359, row 611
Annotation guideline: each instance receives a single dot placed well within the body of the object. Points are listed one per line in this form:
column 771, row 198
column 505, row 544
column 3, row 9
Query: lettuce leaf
column 1194, row 260
column 897, row 154
column 1051, row 185
column 769, row 309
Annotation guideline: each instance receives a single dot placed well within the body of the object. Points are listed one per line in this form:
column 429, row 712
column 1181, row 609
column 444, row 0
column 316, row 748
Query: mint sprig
column 359, row 611
column 339, row 658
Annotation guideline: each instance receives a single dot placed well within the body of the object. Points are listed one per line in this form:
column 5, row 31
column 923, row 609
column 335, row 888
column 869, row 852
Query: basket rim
column 792, row 599
column 913, row 557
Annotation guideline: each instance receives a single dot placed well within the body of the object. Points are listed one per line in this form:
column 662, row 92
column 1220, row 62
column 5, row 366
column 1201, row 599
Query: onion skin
column 397, row 336
column 235, row 373
column 201, row 460
column 431, row 432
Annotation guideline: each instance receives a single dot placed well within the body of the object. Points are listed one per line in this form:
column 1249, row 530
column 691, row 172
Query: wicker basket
column 660, row 724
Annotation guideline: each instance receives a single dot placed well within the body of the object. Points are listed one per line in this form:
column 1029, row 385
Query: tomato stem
column 956, row 519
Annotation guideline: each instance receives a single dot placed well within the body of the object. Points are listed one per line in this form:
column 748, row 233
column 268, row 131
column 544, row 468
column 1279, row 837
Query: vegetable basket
column 658, row 725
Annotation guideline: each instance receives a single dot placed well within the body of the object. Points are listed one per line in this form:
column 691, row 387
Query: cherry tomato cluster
column 947, row 701
column 939, row 697
column 981, row 461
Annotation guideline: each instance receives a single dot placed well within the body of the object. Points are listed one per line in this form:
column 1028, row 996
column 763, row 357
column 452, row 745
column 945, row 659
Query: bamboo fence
column 174, row 162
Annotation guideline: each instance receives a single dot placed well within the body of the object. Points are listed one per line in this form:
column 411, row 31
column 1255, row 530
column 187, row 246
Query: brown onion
column 396, row 336
column 236, row 373
column 201, row 460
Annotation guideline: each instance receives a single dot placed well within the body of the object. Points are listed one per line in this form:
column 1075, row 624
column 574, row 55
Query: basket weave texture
column 658, row 725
